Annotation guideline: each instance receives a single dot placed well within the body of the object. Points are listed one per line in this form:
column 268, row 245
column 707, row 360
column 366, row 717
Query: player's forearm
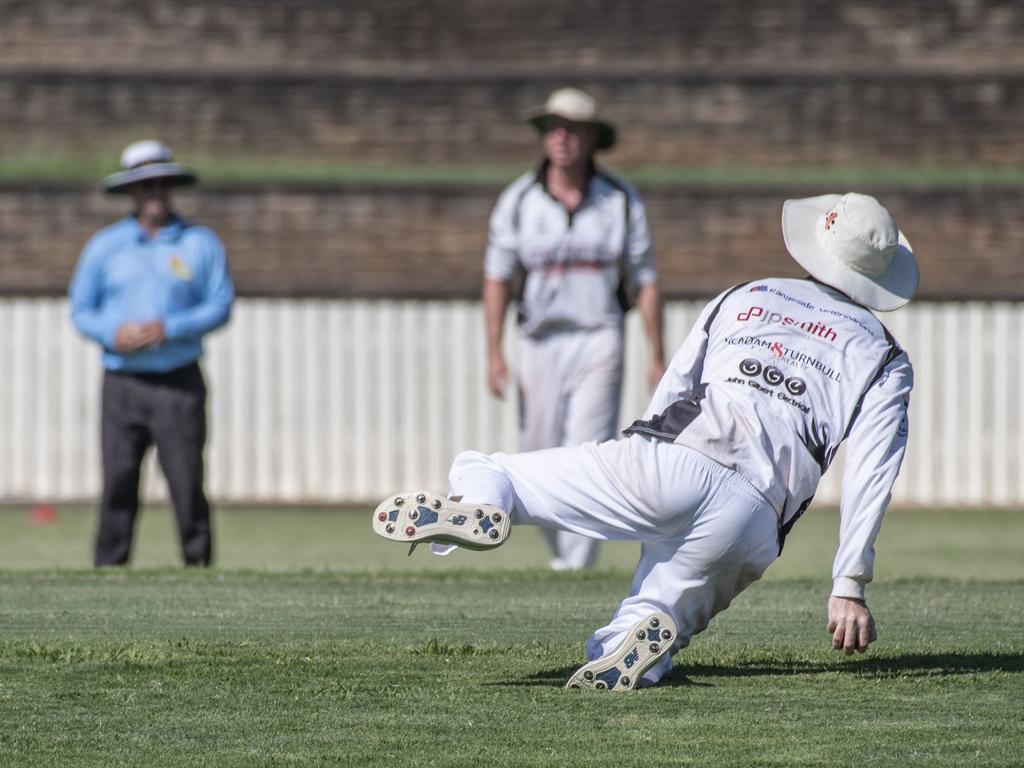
column 648, row 301
column 495, row 298
column 853, row 568
column 198, row 320
column 874, row 454
column 86, row 315
column 95, row 326
column 84, row 296
column 865, row 497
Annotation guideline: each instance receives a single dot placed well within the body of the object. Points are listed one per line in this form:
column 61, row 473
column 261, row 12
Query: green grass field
column 86, row 168
column 314, row 643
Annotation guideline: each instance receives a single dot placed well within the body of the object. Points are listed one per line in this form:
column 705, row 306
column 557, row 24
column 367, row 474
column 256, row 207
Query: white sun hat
column 143, row 160
column 852, row 243
column 578, row 107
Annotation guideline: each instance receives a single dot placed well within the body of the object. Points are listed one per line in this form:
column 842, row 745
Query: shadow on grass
column 903, row 665
column 556, row 678
column 911, row 665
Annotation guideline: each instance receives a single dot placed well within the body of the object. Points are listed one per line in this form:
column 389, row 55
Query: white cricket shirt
column 573, row 263
column 773, row 377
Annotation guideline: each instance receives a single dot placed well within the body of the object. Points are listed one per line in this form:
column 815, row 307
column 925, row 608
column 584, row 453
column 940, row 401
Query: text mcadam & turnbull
column 787, row 354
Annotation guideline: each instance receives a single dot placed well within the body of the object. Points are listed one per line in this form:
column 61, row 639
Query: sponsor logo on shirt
column 791, row 387
column 566, row 257
column 179, row 268
column 787, row 354
column 815, row 308
column 811, row 327
column 758, row 288
column 560, row 269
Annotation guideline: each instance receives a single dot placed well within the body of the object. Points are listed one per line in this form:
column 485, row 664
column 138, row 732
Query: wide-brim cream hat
column 144, row 160
column 578, row 107
column 852, row 243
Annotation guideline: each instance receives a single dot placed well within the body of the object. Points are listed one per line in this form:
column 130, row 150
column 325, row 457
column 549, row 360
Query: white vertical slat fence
column 325, row 401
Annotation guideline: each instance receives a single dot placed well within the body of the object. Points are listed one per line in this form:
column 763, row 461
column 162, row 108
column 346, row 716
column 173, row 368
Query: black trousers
column 167, row 410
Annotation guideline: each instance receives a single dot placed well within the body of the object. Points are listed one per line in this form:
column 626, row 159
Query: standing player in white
column 775, row 374
column 578, row 241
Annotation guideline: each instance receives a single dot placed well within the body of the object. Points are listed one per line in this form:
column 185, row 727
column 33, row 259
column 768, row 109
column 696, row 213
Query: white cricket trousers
column 705, row 532
column 570, row 385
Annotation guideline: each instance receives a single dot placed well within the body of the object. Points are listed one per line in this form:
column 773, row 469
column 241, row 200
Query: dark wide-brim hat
column 145, row 160
column 575, row 106
column 852, row 243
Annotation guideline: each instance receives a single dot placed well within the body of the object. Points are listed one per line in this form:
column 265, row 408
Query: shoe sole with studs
column 621, row 670
column 419, row 517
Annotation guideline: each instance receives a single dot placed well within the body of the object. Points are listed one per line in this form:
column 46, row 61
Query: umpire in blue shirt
column 147, row 289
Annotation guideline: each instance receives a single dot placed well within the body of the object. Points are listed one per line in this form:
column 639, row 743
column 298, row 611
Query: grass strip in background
column 966, row 544
column 88, row 169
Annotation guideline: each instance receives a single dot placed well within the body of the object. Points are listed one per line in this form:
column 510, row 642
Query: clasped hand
column 131, row 337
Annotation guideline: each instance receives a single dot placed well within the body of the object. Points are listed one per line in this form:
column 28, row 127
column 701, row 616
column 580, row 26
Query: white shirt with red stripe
column 574, row 262
column 775, row 374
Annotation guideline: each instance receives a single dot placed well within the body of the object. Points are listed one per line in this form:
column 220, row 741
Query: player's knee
column 474, row 474
column 466, row 464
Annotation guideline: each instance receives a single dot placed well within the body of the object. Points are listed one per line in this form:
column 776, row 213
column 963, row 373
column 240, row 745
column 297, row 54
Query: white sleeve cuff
column 844, row 587
column 502, row 275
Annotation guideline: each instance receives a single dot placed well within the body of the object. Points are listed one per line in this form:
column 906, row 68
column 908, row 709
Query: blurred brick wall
column 764, row 120
column 428, row 242
column 596, row 36
column 865, row 82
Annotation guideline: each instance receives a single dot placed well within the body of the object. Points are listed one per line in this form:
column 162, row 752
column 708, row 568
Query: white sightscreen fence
column 343, row 400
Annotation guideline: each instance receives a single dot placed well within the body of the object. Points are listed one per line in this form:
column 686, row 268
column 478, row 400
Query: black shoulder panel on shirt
column 714, row 312
column 895, row 350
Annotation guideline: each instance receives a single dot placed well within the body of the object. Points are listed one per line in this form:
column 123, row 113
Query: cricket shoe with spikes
column 418, row 517
column 621, row 670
